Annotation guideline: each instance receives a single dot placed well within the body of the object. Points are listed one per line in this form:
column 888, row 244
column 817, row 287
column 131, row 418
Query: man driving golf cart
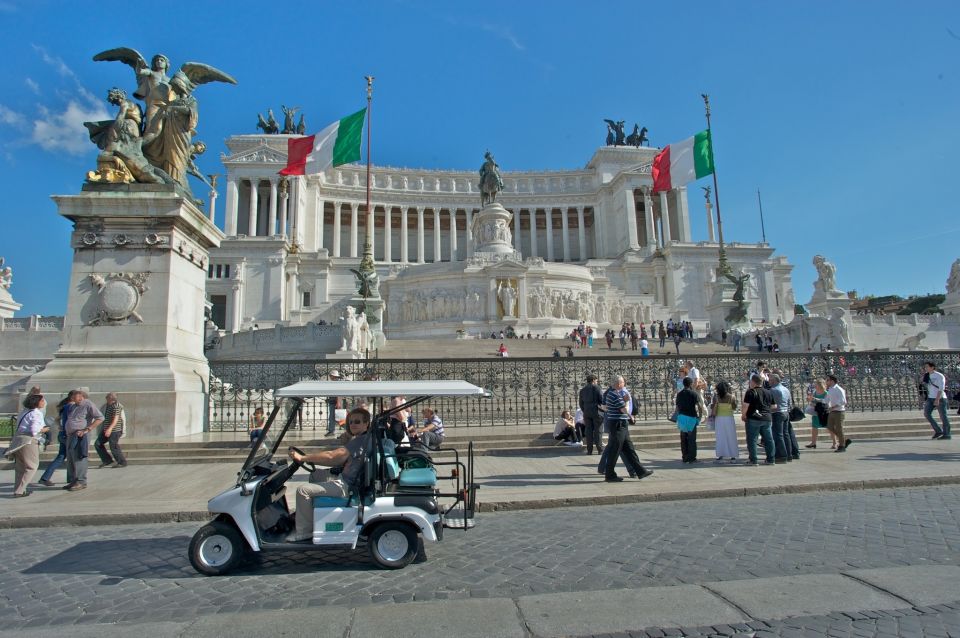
column 349, row 458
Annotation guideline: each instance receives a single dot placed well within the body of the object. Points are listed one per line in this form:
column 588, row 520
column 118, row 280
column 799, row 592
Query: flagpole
column 763, row 229
column 724, row 267
column 368, row 280
column 368, row 243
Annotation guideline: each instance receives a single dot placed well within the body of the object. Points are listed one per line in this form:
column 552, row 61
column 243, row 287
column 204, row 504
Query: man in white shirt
column 836, row 410
column 936, row 399
column 693, row 372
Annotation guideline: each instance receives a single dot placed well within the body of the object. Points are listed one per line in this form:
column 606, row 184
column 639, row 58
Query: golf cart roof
column 379, row 389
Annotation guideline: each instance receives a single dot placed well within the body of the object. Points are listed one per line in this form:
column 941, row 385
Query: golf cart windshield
column 272, row 433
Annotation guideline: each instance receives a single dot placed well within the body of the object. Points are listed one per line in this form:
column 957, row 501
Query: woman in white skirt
column 722, row 409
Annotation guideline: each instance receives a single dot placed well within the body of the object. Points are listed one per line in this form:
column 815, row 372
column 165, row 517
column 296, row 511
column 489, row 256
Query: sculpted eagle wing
column 130, row 57
column 202, row 73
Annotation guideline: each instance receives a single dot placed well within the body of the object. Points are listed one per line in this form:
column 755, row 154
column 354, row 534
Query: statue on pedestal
column 269, row 126
column 349, row 330
column 638, row 137
column 508, row 298
column 288, row 113
column 163, row 135
column 6, row 275
column 738, row 314
column 826, row 282
column 617, row 128
column 491, row 182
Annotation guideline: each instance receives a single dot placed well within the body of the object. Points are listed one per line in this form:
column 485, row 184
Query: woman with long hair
column 722, row 409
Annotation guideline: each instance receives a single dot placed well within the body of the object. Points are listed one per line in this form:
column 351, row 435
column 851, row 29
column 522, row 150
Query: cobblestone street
column 58, row 576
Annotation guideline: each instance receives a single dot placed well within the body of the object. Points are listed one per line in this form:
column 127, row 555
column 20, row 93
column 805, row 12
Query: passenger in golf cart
column 350, row 461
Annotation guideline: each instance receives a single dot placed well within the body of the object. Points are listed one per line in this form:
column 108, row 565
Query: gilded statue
column 153, row 145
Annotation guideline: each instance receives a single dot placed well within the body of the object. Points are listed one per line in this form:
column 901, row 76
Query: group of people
column 582, row 336
column 78, row 421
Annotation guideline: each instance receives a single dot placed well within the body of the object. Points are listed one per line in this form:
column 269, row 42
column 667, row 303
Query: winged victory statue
column 155, row 144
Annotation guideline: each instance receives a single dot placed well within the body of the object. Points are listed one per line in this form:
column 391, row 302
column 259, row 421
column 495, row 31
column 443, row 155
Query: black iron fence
column 535, row 391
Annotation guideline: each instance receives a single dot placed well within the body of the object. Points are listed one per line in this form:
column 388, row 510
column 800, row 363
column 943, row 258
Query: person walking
column 113, row 426
column 84, row 419
column 818, row 395
column 616, row 402
column 689, row 411
column 836, row 411
column 755, row 414
column 676, row 341
column 663, row 336
column 333, row 404
column 589, row 400
column 722, row 407
column 936, row 399
column 24, row 447
column 63, row 409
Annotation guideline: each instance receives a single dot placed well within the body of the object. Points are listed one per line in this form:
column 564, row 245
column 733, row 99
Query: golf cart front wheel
column 393, row 545
column 216, row 548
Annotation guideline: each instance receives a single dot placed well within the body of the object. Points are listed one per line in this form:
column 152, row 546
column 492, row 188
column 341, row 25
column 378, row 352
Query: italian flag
column 681, row 163
column 337, row 144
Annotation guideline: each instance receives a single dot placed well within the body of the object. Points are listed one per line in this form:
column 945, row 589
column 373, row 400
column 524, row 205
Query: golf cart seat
column 332, row 501
column 418, row 477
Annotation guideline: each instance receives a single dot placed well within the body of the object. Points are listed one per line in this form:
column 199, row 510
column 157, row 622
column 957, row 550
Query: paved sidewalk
column 563, row 477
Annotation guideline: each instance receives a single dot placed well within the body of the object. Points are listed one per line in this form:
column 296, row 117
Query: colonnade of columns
column 657, row 230
column 280, row 219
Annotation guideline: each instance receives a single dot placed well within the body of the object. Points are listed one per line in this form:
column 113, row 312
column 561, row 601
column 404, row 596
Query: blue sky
column 844, row 114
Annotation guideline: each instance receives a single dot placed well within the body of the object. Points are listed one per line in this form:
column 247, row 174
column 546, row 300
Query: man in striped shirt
column 430, row 434
column 618, row 415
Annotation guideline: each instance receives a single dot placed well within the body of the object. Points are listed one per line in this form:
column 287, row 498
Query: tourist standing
column 63, row 409
column 936, row 400
column 689, row 411
column 590, row 399
column 84, row 419
column 723, row 406
column 663, row 336
column 608, row 335
column 780, row 413
column 24, row 447
column 737, row 338
column 755, row 414
column 818, row 395
column 676, row 341
column 333, row 404
column 836, row 411
column 644, row 348
column 616, row 401
column 113, row 426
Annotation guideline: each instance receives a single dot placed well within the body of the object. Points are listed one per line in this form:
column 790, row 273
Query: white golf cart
column 398, row 502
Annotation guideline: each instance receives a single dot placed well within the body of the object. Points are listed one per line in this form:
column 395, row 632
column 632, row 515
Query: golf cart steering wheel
column 310, row 466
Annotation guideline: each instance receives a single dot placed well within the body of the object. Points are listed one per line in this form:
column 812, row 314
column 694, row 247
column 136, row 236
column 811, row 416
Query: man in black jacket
column 590, row 400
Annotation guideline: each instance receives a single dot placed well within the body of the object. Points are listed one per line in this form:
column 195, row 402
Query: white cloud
column 10, row 117
column 32, row 85
column 55, row 61
column 504, row 33
column 64, row 131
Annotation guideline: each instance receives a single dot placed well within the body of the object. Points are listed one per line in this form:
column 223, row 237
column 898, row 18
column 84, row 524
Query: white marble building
column 594, row 235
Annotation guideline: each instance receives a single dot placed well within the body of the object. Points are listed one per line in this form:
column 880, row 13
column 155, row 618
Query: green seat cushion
column 418, row 477
column 330, row 501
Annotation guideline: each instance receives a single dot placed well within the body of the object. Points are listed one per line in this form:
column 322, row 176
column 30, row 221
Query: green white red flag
column 681, row 163
column 337, row 144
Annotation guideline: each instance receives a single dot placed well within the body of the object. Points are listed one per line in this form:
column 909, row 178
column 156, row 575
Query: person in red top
column 502, row 351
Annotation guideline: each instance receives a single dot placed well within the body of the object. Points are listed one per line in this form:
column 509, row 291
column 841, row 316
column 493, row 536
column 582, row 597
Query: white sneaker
column 570, row 443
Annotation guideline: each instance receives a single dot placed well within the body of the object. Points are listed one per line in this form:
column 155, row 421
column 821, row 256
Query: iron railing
column 536, row 390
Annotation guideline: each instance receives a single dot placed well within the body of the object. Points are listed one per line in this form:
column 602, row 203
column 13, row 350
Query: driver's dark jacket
column 357, row 448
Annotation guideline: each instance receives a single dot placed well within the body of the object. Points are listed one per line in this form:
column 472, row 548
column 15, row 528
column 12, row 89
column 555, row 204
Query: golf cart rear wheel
column 216, row 548
column 393, row 545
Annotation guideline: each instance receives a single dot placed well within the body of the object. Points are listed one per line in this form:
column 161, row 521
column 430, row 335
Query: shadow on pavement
column 164, row 558
column 946, row 457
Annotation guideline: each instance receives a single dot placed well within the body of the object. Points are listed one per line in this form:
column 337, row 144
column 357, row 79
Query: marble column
column 648, row 219
column 683, row 215
column 318, row 231
column 212, row 205
column 549, row 213
column 710, row 222
column 469, row 231
column 533, row 233
column 354, row 225
column 284, row 213
column 233, row 203
column 453, row 234
column 337, row 217
column 516, row 229
column 404, row 240
column 254, row 204
column 581, row 234
column 420, row 234
column 436, row 235
column 387, row 232
column 236, row 307
column 665, row 219
column 565, row 230
column 634, row 243
column 272, row 211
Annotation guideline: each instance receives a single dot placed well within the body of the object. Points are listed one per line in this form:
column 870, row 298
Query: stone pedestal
column 720, row 306
column 951, row 305
column 491, row 231
column 135, row 321
column 8, row 307
column 823, row 303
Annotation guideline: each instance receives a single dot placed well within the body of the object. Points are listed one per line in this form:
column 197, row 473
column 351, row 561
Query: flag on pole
column 681, row 163
column 337, row 144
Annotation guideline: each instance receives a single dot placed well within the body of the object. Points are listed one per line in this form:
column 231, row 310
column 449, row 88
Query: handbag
column 673, row 416
column 810, row 410
column 796, row 414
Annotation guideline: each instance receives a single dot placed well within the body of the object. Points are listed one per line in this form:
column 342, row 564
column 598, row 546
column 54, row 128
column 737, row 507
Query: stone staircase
column 480, row 348
column 502, row 440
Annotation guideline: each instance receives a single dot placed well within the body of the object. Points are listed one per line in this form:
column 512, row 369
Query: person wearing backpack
column 756, row 416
